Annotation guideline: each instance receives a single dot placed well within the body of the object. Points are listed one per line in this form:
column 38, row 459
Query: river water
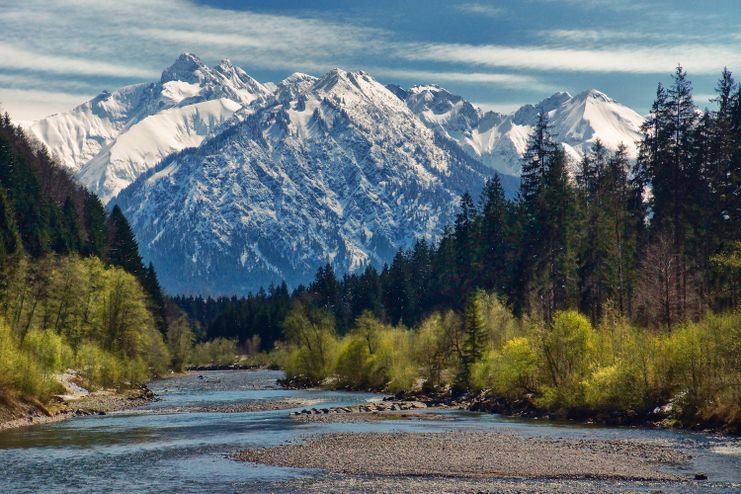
column 181, row 443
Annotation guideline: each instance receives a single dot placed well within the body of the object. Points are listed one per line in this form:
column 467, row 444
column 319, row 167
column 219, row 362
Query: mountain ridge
column 231, row 184
column 311, row 177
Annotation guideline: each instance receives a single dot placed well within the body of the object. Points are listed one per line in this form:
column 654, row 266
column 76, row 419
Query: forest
column 607, row 284
column 74, row 292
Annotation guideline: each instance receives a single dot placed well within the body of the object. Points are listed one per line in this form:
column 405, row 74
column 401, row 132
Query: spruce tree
column 152, row 286
column 123, row 250
column 94, row 220
column 494, row 240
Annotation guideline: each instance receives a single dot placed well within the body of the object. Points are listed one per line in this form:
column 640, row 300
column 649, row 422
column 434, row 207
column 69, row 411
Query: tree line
column 74, row 292
column 654, row 239
column 44, row 211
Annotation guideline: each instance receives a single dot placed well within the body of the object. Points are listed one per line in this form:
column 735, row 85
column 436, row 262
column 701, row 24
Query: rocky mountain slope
column 110, row 140
column 231, row 184
column 499, row 141
column 332, row 169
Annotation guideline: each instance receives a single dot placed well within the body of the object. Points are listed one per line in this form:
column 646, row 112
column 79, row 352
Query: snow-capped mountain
column 334, row 169
column 231, row 184
column 110, row 140
column 499, row 141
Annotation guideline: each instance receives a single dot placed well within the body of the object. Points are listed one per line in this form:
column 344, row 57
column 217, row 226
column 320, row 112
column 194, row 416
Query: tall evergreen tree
column 94, row 220
column 123, row 250
column 545, row 276
column 152, row 286
column 495, row 239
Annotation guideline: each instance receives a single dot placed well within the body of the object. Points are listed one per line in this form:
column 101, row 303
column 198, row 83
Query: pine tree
column 475, row 338
column 10, row 241
column 152, row 286
column 545, row 276
column 535, row 161
column 611, row 227
column 494, row 240
column 123, row 250
column 466, row 224
column 94, row 220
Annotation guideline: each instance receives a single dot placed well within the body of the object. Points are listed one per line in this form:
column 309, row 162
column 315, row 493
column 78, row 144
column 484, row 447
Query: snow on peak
column 594, row 94
column 335, row 167
column 187, row 67
column 190, row 102
column 500, row 141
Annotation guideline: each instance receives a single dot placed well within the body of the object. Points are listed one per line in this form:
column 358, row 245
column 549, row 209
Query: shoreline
column 19, row 413
column 524, row 409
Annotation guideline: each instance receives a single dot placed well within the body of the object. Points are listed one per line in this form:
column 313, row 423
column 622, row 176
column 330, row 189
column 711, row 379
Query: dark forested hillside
column 73, row 290
column 49, row 213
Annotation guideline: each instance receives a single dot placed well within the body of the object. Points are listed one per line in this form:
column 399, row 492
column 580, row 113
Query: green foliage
column 180, row 340
column 310, row 334
column 567, row 366
column 703, row 366
column 510, row 372
column 214, row 353
column 20, row 372
column 68, row 312
column 48, row 349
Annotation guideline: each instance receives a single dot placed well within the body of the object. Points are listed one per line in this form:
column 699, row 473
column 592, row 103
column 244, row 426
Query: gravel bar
column 464, row 454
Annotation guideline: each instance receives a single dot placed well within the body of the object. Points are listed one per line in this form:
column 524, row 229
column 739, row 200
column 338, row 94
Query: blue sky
column 499, row 54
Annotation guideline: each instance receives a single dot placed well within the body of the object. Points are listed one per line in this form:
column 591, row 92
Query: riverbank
column 482, row 457
column 77, row 401
column 663, row 417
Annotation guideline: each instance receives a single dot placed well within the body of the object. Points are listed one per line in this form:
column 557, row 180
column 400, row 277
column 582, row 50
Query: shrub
column 48, row 349
column 510, row 373
column 566, row 350
column 312, row 344
column 98, row 367
column 215, row 352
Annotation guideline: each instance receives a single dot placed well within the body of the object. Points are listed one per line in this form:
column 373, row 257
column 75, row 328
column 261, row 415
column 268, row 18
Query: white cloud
column 132, row 32
column 697, row 59
column 89, row 41
column 428, row 76
column 487, row 10
column 600, row 37
column 14, row 57
column 29, row 104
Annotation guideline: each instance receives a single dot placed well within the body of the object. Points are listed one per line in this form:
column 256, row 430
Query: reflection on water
column 163, row 447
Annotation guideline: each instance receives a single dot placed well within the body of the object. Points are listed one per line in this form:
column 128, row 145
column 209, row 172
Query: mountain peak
column 187, row 67
column 594, row 94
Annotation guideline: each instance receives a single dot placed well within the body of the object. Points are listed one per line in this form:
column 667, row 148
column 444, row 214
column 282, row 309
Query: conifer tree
column 10, row 239
column 94, row 219
column 123, row 250
column 495, row 236
column 152, row 286
column 465, row 245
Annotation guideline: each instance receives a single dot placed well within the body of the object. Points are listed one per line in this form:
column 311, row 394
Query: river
column 182, row 442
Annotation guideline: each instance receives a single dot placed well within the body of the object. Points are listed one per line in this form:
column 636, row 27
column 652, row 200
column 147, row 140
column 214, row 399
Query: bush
column 216, row 352
column 48, row 349
column 312, row 344
column 354, row 365
column 566, row 349
column 100, row 369
column 510, row 373
column 20, row 373
column 702, row 362
column 180, row 343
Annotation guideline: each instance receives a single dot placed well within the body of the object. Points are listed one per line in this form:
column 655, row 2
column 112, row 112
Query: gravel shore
column 475, row 455
column 355, row 417
column 265, row 405
column 26, row 414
